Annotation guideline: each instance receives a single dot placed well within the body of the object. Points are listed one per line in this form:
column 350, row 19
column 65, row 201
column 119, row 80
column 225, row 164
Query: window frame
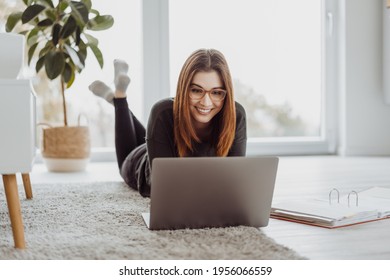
column 156, row 18
column 155, row 26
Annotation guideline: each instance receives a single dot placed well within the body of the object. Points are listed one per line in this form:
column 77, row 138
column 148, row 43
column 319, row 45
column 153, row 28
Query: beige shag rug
column 103, row 221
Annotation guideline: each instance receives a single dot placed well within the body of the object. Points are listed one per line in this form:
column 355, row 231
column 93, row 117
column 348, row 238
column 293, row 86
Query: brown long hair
column 204, row 60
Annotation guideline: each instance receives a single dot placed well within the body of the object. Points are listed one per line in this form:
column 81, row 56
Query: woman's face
column 204, row 109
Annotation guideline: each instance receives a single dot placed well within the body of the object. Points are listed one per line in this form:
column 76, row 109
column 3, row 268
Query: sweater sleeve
column 239, row 144
column 159, row 133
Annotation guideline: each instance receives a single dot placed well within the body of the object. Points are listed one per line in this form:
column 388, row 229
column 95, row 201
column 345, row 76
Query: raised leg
column 11, row 193
column 27, row 185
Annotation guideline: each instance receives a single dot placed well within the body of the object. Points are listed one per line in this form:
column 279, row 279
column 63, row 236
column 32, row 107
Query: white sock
column 102, row 90
column 121, row 83
column 120, row 67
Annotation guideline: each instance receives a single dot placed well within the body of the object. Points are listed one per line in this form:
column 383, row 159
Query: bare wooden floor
column 303, row 178
column 314, row 177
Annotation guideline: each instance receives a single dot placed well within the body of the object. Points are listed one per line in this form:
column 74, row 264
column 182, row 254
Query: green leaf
column 80, row 11
column 63, row 5
column 98, row 54
column 45, row 22
column 82, row 58
column 31, row 52
column 54, row 64
column 70, row 83
column 31, row 12
column 73, row 56
column 82, row 51
column 69, row 27
column 40, row 63
column 49, row 46
column 67, row 73
column 95, row 12
column 91, row 40
column 28, row 2
column 47, row 3
column 56, row 33
column 71, row 80
column 87, row 3
column 51, row 13
column 78, row 36
column 32, row 37
column 12, row 20
column 100, row 23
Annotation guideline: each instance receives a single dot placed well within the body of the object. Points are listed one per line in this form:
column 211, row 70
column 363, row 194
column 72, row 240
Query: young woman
column 202, row 120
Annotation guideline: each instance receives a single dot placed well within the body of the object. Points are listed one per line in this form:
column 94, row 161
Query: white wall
column 364, row 115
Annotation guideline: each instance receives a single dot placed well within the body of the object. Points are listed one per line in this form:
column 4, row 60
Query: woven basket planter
column 66, row 149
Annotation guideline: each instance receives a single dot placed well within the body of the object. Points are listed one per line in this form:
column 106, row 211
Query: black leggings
column 129, row 132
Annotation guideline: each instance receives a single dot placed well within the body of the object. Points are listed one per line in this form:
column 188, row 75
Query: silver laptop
column 211, row 192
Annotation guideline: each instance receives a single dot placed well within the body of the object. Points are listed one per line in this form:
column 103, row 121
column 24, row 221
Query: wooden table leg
column 27, row 185
column 11, row 193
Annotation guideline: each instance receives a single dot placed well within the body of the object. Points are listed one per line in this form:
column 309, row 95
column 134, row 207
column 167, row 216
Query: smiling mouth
column 203, row 111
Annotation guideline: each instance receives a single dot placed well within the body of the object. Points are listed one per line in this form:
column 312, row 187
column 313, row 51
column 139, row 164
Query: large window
column 122, row 41
column 274, row 52
column 279, row 53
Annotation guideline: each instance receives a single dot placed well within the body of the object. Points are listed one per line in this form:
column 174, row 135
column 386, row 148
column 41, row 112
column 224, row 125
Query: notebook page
column 378, row 197
column 378, row 192
column 324, row 210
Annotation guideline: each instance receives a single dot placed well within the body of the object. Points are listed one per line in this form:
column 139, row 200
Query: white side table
column 17, row 146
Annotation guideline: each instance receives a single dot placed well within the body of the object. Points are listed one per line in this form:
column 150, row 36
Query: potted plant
column 58, row 41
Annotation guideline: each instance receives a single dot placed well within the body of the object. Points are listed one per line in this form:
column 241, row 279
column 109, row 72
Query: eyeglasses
column 198, row 93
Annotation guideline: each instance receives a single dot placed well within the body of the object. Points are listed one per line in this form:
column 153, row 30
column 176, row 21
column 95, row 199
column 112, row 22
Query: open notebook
column 369, row 205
